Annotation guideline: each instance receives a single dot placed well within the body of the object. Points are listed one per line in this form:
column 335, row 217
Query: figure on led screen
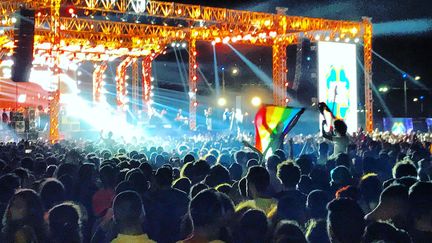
column 338, row 87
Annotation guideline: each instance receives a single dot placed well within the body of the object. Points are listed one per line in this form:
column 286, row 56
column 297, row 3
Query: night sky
column 402, row 33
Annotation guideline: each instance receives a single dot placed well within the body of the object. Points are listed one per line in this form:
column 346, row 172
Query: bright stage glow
column 100, row 116
column 73, row 66
column 337, row 85
column 256, row 101
column 22, row 98
column 7, row 72
column 222, row 101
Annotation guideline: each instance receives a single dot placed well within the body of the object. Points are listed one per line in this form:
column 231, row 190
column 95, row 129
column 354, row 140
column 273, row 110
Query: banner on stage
column 337, row 80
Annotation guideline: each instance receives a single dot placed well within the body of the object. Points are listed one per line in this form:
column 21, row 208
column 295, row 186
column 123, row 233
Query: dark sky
column 406, row 44
column 402, row 30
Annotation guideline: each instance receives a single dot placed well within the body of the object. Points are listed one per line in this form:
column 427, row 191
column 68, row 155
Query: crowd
column 339, row 188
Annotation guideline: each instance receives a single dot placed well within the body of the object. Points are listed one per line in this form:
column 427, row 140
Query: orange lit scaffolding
column 99, row 30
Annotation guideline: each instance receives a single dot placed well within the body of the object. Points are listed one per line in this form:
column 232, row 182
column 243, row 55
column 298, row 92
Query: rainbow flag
column 267, row 120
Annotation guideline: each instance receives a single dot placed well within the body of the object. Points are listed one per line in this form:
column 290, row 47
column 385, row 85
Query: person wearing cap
column 420, row 198
column 393, row 206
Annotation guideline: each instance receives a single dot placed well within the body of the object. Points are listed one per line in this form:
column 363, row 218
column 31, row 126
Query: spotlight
column 383, row 89
column 347, row 39
column 256, row 101
column 71, row 11
column 178, row 45
column 225, row 40
column 404, row 75
column 415, row 99
column 235, row 71
column 173, row 44
column 417, row 78
column 337, row 39
column 327, row 38
column 221, row 101
column 183, row 45
column 356, row 40
column 22, row 98
column 317, row 37
column 79, row 73
column 213, row 43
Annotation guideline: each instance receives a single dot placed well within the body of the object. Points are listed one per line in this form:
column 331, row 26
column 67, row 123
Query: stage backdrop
column 337, row 80
column 398, row 125
column 429, row 124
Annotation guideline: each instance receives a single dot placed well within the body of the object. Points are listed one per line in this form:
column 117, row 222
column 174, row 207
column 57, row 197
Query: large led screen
column 398, row 125
column 429, row 124
column 337, row 80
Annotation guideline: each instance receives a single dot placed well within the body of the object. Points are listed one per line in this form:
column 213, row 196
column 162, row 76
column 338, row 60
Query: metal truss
column 135, row 87
column 367, row 48
column 85, row 38
column 54, row 103
column 280, row 71
column 98, row 80
column 193, row 80
column 121, row 81
column 147, row 81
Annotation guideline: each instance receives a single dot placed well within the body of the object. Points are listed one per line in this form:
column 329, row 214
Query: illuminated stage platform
column 136, row 32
